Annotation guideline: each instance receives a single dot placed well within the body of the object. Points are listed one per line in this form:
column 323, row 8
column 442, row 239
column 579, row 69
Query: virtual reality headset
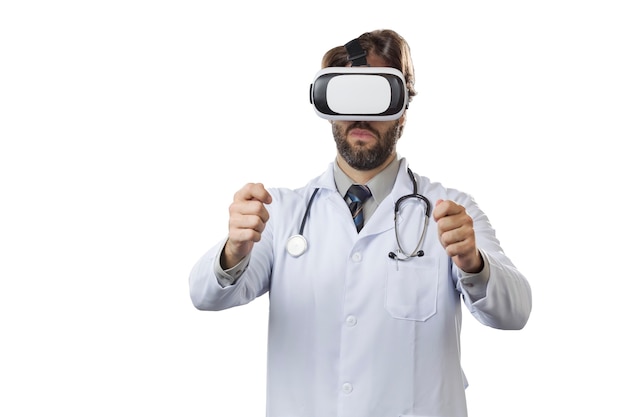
column 359, row 93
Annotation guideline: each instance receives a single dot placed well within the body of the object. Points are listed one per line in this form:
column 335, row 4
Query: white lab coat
column 353, row 333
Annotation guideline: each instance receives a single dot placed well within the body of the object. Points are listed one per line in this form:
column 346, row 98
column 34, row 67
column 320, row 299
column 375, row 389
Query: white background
column 126, row 127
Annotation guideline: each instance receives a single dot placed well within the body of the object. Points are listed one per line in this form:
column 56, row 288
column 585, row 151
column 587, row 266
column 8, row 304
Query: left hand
column 456, row 234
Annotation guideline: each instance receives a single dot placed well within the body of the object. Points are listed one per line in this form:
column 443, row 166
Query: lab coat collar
column 403, row 184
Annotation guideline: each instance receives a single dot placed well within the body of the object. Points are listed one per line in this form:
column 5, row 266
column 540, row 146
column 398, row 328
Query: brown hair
column 385, row 43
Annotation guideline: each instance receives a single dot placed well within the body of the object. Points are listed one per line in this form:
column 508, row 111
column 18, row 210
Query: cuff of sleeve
column 226, row 277
column 475, row 285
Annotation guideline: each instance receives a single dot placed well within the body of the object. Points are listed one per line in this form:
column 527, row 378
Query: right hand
column 248, row 217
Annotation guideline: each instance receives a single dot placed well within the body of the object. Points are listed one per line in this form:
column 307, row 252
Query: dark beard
column 361, row 158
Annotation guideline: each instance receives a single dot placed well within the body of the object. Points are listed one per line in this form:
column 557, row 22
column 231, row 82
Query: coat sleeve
column 508, row 300
column 208, row 294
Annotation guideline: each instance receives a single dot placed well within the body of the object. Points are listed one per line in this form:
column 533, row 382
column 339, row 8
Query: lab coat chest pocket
column 412, row 287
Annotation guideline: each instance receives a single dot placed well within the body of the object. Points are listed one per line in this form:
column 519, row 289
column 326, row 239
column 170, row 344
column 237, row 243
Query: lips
column 361, row 133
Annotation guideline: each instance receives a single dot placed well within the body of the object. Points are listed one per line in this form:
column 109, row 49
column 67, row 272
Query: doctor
column 365, row 300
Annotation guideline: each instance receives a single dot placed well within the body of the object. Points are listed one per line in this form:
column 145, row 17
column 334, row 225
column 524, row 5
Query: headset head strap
column 356, row 53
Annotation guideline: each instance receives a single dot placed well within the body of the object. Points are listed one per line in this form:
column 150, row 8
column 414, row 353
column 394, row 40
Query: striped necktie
column 357, row 194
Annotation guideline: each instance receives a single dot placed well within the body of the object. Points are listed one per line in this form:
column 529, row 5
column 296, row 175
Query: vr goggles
column 359, row 93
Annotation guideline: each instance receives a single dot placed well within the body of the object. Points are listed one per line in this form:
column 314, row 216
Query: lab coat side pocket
column 412, row 288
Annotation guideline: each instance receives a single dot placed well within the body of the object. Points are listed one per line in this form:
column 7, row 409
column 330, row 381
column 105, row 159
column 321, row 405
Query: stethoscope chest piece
column 296, row 245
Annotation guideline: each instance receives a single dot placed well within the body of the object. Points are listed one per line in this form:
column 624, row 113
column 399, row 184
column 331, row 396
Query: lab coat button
column 346, row 388
column 356, row 257
column 351, row 321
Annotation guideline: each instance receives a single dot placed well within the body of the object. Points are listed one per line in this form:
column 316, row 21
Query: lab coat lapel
column 382, row 219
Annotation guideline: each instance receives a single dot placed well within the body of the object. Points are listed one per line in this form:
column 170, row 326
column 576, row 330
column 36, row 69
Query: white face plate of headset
column 359, row 93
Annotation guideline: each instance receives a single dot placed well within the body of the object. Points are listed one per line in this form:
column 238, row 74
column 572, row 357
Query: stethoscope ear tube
column 400, row 254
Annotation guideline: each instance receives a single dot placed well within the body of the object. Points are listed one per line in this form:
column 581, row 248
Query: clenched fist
column 248, row 216
column 456, row 234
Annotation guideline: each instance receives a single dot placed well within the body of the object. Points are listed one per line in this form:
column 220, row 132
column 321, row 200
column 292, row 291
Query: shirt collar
column 380, row 186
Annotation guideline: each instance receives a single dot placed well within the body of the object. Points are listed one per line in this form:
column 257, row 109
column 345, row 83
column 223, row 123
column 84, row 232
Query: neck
column 359, row 176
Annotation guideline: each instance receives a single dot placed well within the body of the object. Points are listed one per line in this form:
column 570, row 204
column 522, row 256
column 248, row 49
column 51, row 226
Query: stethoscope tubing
column 308, row 210
column 297, row 244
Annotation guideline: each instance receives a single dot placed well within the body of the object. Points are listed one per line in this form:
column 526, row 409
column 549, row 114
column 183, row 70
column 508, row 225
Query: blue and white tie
column 357, row 194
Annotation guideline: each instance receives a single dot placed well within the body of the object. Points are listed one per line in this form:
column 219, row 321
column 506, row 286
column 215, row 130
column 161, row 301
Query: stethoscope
column 297, row 244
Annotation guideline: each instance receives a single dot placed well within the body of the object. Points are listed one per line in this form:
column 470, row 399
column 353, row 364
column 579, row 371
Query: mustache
column 362, row 125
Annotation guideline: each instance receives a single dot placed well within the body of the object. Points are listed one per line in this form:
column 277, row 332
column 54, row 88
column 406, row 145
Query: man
column 360, row 323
